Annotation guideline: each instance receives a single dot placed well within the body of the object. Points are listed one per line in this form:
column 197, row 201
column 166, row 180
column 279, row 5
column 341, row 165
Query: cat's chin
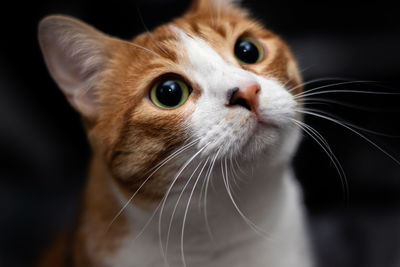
column 262, row 140
column 266, row 124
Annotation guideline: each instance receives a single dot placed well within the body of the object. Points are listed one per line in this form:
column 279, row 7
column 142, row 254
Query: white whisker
column 166, row 196
column 184, row 219
column 352, row 130
column 145, row 49
column 208, row 177
column 157, row 167
column 320, row 140
column 149, row 32
column 233, row 171
column 315, row 91
column 252, row 225
column 348, row 123
column 178, row 200
column 318, row 80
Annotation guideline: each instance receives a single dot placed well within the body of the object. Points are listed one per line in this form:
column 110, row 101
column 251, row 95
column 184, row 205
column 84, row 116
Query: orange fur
column 130, row 135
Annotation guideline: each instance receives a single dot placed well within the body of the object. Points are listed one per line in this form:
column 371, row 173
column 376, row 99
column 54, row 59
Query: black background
column 44, row 152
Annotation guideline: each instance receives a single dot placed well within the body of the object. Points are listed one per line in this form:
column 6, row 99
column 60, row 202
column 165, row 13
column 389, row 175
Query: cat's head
column 214, row 79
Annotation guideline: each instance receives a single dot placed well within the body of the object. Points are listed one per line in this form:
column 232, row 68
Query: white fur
column 235, row 129
column 269, row 196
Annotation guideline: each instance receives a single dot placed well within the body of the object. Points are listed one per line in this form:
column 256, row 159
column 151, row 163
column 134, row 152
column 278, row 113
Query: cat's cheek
column 276, row 105
column 146, row 138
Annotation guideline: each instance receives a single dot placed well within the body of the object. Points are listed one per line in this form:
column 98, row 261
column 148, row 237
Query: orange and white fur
column 208, row 183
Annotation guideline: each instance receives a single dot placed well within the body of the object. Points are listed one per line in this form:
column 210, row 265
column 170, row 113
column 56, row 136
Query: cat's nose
column 246, row 97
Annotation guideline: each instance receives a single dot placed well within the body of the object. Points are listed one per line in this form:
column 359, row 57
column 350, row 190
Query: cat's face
column 213, row 77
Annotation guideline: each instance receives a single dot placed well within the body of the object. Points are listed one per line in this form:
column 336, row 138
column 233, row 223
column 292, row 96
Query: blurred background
column 44, row 152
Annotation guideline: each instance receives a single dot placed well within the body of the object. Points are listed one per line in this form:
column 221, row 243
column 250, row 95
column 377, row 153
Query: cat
column 192, row 132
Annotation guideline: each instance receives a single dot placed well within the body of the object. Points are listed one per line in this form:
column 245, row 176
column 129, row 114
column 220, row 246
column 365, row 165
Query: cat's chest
column 146, row 253
column 196, row 237
column 251, row 252
column 219, row 238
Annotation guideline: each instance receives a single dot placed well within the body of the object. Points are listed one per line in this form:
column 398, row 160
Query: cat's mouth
column 242, row 135
column 262, row 123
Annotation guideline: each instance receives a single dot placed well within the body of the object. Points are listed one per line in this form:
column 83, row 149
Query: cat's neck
column 254, row 207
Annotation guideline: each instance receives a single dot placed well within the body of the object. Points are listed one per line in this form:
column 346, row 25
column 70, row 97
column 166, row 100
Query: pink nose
column 246, row 97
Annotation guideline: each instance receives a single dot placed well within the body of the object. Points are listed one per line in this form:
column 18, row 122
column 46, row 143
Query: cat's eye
column 248, row 50
column 169, row 93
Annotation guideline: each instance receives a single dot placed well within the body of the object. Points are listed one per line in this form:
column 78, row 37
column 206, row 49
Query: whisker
column 352, row 130
column 321, row 141
column 238, row 166
column 318, row 80
column 315, row 91
column 184, row 219
column 185, row 146
column 204, row 183
column 329, row 86
column 149, row 32
column 158, row 166
column 233, row 171
column 349, row 124
column 145, row 49
column 252, row 225
column 208, row 177
column 208, row 173
column 166, row 196
column 149, row 220
column 178, row 200
column 319, row 100
column 226, row 174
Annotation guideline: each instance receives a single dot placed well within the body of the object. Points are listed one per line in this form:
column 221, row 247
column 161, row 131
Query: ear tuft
column 75, row 55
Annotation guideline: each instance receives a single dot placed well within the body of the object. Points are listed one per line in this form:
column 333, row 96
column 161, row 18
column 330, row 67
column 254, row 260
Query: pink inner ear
column 75, row 54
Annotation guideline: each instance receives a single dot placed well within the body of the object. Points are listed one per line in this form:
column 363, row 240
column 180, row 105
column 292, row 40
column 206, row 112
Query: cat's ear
column 204, row 4
column 207, row 6
column 75, row 55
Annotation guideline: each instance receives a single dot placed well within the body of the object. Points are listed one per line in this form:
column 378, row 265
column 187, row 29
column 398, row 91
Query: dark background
column 44, row 152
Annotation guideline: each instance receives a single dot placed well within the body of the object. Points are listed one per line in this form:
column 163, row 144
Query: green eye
column 248, row 50
column 169, row 93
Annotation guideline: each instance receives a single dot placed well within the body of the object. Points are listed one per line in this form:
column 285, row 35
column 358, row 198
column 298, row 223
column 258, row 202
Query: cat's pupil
column 169, row 93
column 246, row 51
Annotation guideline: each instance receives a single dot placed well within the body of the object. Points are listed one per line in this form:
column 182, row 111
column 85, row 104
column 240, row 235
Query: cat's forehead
column 219, row 32
column 215, row 34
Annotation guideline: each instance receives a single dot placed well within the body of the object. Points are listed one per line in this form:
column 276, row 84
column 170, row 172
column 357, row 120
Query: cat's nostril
column 247, row 98
column 240, row 102
column 231, row 94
